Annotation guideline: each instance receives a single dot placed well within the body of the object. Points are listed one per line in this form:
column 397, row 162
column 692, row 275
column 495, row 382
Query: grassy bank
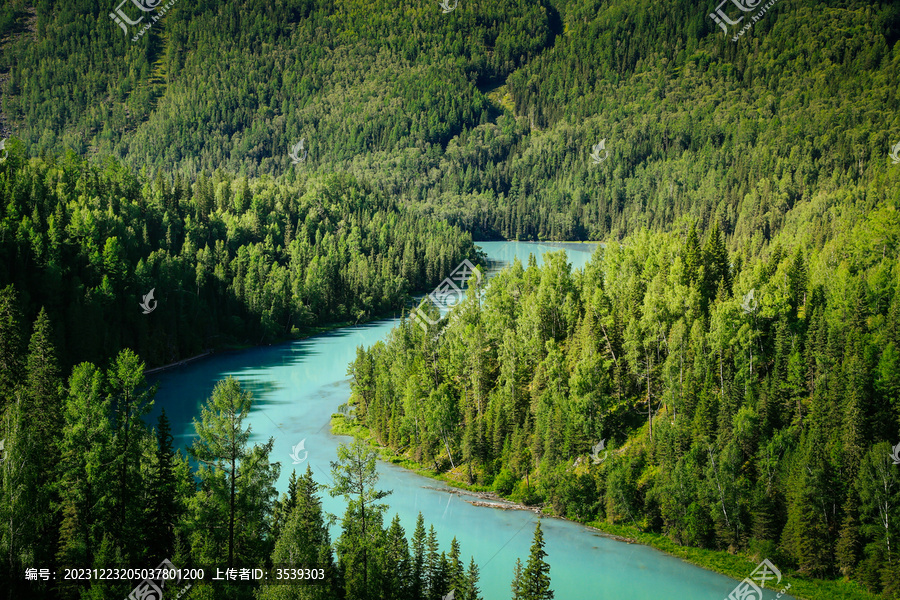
column 736, row 566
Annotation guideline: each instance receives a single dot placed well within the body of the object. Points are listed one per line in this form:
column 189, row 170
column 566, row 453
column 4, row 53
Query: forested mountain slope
column 231, row 262
column 697, row 126
column 748, row 406
column 739, row 351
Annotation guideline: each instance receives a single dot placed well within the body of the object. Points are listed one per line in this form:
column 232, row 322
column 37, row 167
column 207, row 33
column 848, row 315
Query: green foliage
column 120, row 496
column 237, row 481
column 535, row 580
column 293, row 256
column 354, row 478
column 733, row 167
column 305, row 543
column 729, row 424
column 399, row 94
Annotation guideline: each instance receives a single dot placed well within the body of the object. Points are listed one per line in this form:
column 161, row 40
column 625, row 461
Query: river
column 297, row 386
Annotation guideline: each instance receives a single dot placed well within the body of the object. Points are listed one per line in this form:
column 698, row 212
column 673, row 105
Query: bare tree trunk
column 447, row 446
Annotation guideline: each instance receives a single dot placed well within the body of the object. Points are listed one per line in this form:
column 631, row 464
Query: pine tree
column 164, row 510
column 86, row 448
column 355, row 478
column 221, row 447
column 536, row 576
column 517, row 585
column 11, row 349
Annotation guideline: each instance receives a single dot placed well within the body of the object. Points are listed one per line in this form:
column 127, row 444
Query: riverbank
column 314, row 330
column 179, row 363
column 308, row 332
column 736, row 566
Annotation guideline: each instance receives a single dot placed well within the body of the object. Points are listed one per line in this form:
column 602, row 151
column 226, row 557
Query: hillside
column 699, row 128
column 735, row 345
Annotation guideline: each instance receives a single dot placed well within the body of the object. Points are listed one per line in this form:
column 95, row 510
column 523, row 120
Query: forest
column 724, row 373
column 99, row 489
column 744, row 401
column 483, row 117
column 230, row 261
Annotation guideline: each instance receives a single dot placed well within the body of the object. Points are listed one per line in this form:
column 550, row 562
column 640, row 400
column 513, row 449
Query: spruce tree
column 715, row 265
column 305, row 544
column 516, row 586
column 164, row 510
column 11, row 347
column 692, row 256
column 471, row 586
column 42, row 409
column 435, row 579
column 419, row 583
column 456, row 574
column 19, row 492
column 397, row 564
column 130, row 399
column 86, row 447
column 536, row 576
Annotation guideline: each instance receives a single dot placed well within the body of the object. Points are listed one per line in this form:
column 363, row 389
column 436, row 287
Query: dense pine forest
column 725, row 372
column 484, row 116
column 86, row 483
column 229, row 262
column 746, row 402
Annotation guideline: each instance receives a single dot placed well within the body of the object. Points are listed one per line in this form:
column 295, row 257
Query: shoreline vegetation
column 313, row 330
column 736, row 566
column 728, row 360
column 310, row 331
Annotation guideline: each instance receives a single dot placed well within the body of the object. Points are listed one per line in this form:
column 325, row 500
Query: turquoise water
column 297, row 386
